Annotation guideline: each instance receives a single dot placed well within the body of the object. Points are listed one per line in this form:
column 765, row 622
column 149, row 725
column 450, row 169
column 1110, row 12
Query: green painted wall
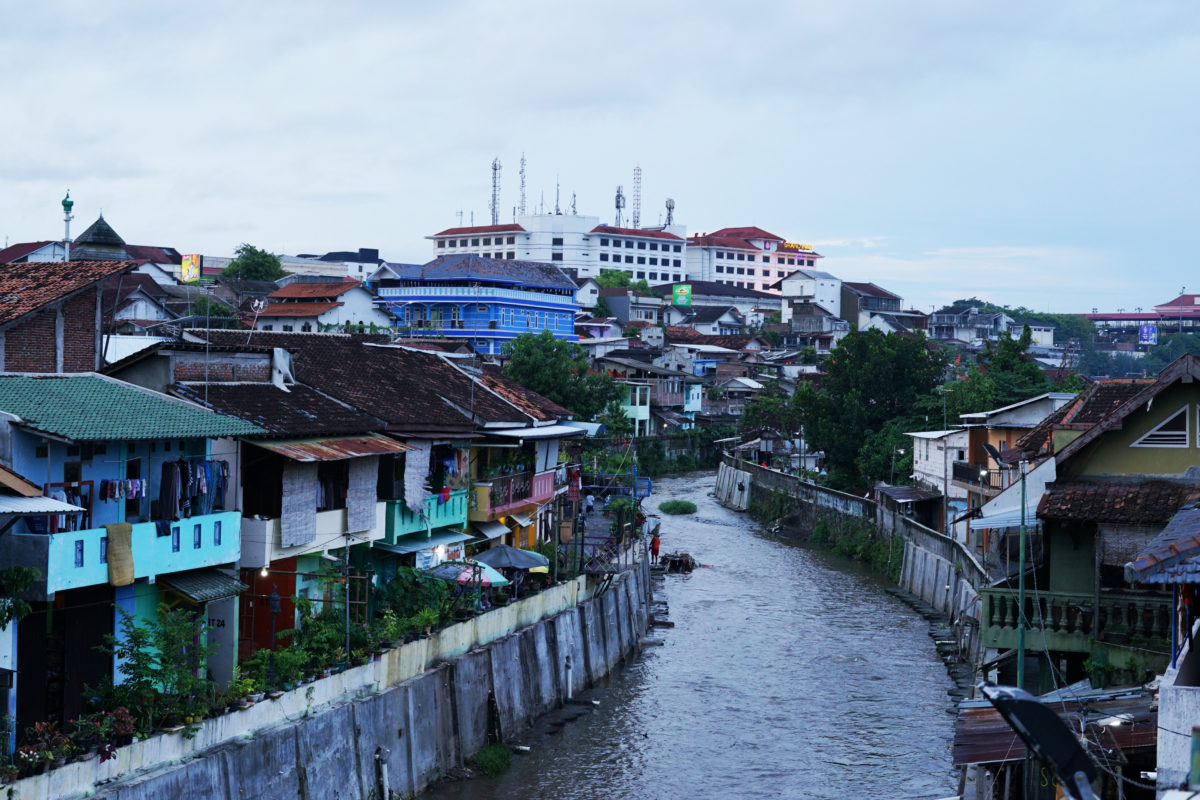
column 1072, row 563
column 1111, row 454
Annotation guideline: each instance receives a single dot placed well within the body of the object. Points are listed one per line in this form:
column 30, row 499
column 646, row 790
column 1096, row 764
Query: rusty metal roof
column 1170, row 556
column 333, row 448
column 981, row 736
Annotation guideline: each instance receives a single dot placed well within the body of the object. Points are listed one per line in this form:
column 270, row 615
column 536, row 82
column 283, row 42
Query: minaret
column 67, row 205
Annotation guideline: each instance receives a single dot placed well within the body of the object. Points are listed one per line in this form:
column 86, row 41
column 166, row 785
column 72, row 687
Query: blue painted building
column 487, row 301
column 106, row 448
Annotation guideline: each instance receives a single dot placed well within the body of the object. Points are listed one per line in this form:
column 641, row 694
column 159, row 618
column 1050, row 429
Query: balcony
column 498, row 496
column 1130, row 624
column 402, row 520
column 989, row 479
column 75, row 559
column 262, row 542
column 666, row 393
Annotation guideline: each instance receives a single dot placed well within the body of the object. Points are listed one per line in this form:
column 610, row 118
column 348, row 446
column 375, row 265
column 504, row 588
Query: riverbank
column 394, row 724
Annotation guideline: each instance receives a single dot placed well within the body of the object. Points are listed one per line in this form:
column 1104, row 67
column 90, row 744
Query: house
column 629, row 305
column 755, row 305
column 1118, row 484
column 968, row 324
column 133, row 303
column 240, row 294
column 732, row 397
column 587, row 293
column 149, row 530
column 812, row 325
column 353, row 264
column 708, row 320
column 486, row 301
column 674, row 397
column 933, row 453
column 1042, row 333
column 807, row 286
column 306, row 304
column 597, row 327
column 50, row 315
column 99, row 242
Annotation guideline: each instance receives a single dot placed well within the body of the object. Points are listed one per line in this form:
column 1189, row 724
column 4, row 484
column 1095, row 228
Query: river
column 790, row 673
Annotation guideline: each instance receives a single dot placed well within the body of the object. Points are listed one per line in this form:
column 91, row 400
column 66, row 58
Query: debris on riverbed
column 678, row 562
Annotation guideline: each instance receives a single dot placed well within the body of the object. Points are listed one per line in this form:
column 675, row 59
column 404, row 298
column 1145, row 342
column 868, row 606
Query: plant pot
column 57, row 762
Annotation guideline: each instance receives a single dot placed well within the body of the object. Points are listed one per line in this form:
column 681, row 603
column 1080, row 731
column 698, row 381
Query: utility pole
column 346, row 588
column 1021, row 589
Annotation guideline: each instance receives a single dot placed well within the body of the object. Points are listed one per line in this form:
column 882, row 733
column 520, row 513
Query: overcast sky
column 1029, row 153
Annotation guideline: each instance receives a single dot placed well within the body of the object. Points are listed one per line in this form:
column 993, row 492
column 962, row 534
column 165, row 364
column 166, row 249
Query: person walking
column 591, row 502
column 654, row 543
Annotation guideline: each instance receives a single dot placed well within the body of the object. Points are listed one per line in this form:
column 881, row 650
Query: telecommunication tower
column 521, row 207
column 495, row 206
column 637, row 196
column 620, row 204
column 670, row 210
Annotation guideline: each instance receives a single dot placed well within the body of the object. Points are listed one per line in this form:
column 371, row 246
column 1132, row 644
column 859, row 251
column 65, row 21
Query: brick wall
column 79, row 333
column 29, row 346
column 188, row 368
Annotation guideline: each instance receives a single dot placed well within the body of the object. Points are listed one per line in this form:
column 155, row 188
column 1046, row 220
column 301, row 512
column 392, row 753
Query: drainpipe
column 570, row 683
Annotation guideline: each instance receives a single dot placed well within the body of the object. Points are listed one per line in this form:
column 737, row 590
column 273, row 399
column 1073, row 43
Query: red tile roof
column 751, row 232
column 636, row 232
column 157, row 255
column 481, row 229
column 314, row 290
column 10, row 254
column 297, row 309
column 869, row 289
column 720, row 241
column 28, row 286
column 1184, row 302
column 1124, row 501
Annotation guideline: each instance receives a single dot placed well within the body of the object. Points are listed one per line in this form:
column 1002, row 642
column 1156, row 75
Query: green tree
column 616, row 422
column 14, row 581
column 612, row 279
column 252, row 264
column 870, row 380
column 771, row 408
column 1014, row 374
column 204, row 306
column 558, row 369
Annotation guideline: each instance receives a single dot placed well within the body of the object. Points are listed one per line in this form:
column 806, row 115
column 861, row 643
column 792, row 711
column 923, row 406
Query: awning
column 491, row 530
column 1009, row 519
column 547, row 432
column 591, row 428
column 417, row 541
column 332, row 448
column 11, row 504
column 203, row 585
column 521, row 519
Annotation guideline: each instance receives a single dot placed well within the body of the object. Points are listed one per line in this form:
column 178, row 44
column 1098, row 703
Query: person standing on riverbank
column 654, row 544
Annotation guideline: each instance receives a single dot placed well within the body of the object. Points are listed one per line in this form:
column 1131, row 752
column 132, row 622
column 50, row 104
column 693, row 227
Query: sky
column 1027, row 153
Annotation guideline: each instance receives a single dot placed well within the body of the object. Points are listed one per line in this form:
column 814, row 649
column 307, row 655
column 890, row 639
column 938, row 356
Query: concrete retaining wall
column 327, row 739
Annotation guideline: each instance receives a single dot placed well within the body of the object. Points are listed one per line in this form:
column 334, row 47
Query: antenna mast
column 637, row 196
column 620, row 204
column 521, row 207
column 670, row 210
column 573, row 211
column 495, row 206
column 556, row 191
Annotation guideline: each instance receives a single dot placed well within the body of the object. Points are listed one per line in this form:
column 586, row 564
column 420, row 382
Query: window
column 678, row 277
column 779, row 260
column 556, row 256
column 474, row 243
column 741, row 256
column 441, row 243
column 720, row 254
column 217, row 533
column 41, row 451
column 750, row 271
column 741, row 271
column 306, row 327
column 809, row 262
column 654, row 245
column 604, row 256
column 1172, row 432
column 675, row 263
column 641, row 275
column 79, row 552
column 628, row 243
column 739, row 283
column 779, row 273
column 603, row 242
column 104, row 549
column 678, row 249
column 510, row 240
column 487, row 242
column 556, row 241
column 720, row 268
column 628, row 259
column 641, row 259
column 653, row 261
column 654, row 276
column 196, row 536
column 268, row 327
column 641, row 245
column 511, row 255
column 174, row 538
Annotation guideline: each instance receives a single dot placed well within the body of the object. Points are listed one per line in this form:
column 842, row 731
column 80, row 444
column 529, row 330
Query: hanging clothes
column 169, row 491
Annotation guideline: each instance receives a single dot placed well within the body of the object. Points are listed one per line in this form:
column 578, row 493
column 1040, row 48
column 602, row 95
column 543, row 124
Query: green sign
column 682, row 294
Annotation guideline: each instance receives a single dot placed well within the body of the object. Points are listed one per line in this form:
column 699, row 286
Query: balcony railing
column 402, row 520
column 497, row 496
column 1065, row 621
column 262, row 539
column 991, row 478
column 75, row 559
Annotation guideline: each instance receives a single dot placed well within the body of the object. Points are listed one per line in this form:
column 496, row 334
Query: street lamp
column 895, row 450
column 273, row 603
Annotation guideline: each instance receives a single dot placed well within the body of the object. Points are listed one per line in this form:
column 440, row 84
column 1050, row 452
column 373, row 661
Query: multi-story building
column 487, row 301
column 749, row 258
column 573, row 242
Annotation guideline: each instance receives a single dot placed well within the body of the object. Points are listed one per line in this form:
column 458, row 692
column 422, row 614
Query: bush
column 492, row 760
column 677, row 507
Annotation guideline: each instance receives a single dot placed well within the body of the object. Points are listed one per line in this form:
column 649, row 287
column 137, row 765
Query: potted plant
column 425, row 619
column 52, row 743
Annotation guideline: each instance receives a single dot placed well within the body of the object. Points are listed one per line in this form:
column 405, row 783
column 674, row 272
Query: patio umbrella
column 468, row 572
column 503, row 556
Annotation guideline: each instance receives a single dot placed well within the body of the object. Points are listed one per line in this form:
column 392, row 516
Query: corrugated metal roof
column 203, row 585
column 545, row 432
column 1169, row 556
column 981, row 736
column 417, row 541
column 491, row 530
column 10, row 504
column 333, row 448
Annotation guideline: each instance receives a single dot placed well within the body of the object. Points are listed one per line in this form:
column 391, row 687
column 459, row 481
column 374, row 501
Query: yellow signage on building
column 191, row 268
column 807, row 248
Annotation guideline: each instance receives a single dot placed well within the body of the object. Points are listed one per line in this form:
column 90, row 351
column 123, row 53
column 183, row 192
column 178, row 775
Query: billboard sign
column 1148, row 334
column 191, row 268
column 681, row 294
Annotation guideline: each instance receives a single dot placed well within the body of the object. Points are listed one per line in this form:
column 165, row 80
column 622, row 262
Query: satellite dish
column 258, row 305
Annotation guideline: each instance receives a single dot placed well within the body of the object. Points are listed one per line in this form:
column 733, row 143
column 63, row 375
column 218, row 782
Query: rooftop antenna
column 542, row 204
column 670, row 210
column 573, row 211
column 67, row 204
column 521, row 207
column 472, row 219
column 460, row 216
column 514, row 213
column 620, row 204
column 557, row 187
column 495, row 205
column 637, row 196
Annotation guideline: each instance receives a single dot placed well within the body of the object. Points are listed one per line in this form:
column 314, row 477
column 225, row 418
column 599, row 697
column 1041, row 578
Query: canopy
column 10, row 504
column 545, row 432
column 491, row 530
column 417, row 541
column 504, row 557
column 332, row 448
column 203, row 585
column 1010, row 518
column 521, row 519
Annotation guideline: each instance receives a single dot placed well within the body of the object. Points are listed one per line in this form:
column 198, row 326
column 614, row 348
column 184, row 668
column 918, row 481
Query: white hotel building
column 749, row 258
